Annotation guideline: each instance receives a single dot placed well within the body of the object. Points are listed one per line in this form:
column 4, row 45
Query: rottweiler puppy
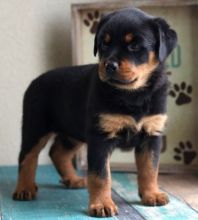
column 120, row 102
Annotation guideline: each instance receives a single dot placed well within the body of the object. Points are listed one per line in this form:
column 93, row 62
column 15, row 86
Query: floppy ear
column 167, row 39
column 103, row 20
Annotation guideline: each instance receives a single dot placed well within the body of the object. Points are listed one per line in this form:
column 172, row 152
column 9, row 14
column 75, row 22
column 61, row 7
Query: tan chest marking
column 113, row 123
column 154, row 124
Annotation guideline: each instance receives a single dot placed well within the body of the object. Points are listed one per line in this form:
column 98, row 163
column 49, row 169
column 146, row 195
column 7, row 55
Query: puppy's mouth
column 122, row 82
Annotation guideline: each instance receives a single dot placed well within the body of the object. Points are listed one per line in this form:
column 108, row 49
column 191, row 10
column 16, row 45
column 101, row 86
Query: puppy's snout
column 111, row 67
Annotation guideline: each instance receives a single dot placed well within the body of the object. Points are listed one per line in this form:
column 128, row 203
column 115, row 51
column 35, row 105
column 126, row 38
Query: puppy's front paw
column 103, row 209
column 25, row 193
column 155, row 199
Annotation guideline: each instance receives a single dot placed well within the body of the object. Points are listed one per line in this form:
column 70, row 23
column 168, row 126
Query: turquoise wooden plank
column 126, row 211
column 54, row 202
column 126, row 186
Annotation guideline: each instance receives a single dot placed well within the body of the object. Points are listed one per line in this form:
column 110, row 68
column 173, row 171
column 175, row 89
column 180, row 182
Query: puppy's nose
column 111, row 67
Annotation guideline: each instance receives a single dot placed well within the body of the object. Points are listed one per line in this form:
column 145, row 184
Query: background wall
column 34, row 37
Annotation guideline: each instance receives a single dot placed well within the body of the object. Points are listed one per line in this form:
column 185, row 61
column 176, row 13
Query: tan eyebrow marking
column 107, row 38
column 128, row 37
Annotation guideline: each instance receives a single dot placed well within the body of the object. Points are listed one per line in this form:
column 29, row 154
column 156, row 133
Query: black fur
column 69, row 100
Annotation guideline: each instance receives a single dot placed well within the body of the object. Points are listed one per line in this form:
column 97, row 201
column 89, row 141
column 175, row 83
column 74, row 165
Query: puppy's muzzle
column 112, row 73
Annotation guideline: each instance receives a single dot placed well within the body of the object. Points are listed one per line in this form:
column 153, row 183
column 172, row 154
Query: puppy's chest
column 113, row 125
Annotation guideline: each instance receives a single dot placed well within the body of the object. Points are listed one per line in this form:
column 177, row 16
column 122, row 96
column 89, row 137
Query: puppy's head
column 131, row 45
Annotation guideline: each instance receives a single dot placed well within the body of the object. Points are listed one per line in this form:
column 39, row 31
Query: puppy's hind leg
column 26, row 188
column 62, row 153
column 36, row 131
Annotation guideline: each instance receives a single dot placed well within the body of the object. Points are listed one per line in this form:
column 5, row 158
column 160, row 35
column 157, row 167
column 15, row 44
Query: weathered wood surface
column 55, row 202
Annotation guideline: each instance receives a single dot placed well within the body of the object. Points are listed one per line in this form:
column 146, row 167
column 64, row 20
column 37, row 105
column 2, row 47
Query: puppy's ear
column 167, row 38
column 103, row 20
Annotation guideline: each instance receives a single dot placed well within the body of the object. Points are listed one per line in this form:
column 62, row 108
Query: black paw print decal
column 185, row 152
column 169, row 73
column 92, row 21
column 181, row 93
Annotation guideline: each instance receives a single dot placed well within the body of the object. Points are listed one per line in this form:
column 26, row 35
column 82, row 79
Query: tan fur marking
column 62, row 159
column 129, row 71
column 147, row 180
column 107, row 38
column 147, row 174
column 101, row 70
column 128, row 37
column 154, row 124
column 126, row 70
column 113, row 123
column 100, row 201
column 26, row 178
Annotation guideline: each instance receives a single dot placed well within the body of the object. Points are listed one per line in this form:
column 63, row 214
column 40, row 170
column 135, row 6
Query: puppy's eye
column 104, row 46
column 134, row 47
